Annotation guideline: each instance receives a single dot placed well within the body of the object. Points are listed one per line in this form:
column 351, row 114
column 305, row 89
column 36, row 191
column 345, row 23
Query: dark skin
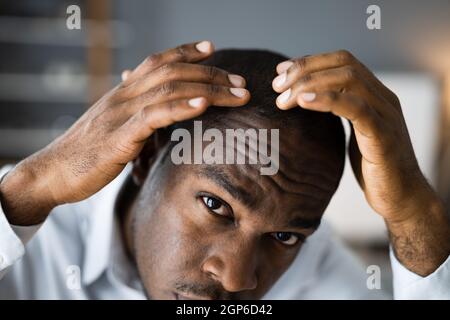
column 211, row 233
column 381, row 152
column 169, row 87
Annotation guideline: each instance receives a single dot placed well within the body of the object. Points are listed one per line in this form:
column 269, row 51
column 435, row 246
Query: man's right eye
column 216, row 206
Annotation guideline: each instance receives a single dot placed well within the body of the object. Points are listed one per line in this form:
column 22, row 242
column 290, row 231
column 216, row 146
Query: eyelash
column 299, row 238
column 206, row 198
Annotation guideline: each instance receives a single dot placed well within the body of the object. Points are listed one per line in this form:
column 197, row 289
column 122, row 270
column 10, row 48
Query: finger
column 355, row 158
column 217, row 95
column 191, row 52
column 342, row 79
column 185, row 72
column 125, row 74
column 153, row 117
column 291, row 70
column 296, row 68
column 352, row 107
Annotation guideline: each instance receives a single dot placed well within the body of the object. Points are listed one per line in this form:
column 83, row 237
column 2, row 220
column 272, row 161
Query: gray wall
column 414, row 34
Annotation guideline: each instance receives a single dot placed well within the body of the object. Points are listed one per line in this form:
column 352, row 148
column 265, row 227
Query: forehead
column 304, row 181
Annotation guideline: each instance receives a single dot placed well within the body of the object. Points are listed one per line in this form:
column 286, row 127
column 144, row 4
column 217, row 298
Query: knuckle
column 211, row 72
column 213, row 89
column 167, row 88
column 344, row 57
column 332, row 96
column 300, row 63
column 167, row 69
column 126, row 89
column 144, row 116
column 151, row 60
column 114, row 103
column 111, row 101
column 306, row 78
column 172, row 112
column 349, row 74
column 171, row 106
column 116, row 99
column 181, row 53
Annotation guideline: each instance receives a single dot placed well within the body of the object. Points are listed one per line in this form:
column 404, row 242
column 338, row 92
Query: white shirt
column 78, row 254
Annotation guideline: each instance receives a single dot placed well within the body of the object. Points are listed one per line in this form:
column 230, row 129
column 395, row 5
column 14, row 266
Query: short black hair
column 258, row 67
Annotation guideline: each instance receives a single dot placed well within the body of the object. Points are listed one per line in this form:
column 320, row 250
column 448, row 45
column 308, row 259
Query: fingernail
column 284, row 97
column 204, row 46
column 238, row 92
column 280, row 80
column 196, row 102
column 125, row 74
column 308, row 96
column 283, row 66
column 236, row 80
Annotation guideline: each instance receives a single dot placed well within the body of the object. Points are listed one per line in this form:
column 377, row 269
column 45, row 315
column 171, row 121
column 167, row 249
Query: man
column 206, row 230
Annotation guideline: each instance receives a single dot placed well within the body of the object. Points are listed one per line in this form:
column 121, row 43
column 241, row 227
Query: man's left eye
column 286, row 238
column 215, row 205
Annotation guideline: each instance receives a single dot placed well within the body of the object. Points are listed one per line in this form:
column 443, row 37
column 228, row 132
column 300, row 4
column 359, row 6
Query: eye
column 286, row 238
column 215, row 205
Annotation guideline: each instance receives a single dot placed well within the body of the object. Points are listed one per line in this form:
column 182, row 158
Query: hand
column 338, row 83
column 164, row 89
column 381, row 151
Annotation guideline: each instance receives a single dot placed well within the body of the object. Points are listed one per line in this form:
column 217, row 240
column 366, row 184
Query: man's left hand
column 381, row 152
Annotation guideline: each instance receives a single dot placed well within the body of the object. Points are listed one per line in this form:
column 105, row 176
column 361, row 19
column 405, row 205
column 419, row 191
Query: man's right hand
column 165, row 88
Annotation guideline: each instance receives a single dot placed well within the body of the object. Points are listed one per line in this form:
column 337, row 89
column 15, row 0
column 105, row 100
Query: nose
column 234, row 266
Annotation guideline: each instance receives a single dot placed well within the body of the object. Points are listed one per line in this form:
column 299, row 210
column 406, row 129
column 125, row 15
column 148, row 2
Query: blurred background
column 49, row 74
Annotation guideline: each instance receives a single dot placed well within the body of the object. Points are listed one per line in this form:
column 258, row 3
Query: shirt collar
column 101, row 229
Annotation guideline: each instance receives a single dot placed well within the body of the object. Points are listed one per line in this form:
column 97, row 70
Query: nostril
column 212, row 275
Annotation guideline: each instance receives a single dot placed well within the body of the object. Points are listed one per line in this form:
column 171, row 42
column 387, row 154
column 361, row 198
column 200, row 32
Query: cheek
column 279, row 267
column 168, row 246
column 274, row 263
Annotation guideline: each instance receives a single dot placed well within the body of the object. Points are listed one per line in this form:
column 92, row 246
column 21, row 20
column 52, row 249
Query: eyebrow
column 222, row 179
column 305, row 223
column 219, row 177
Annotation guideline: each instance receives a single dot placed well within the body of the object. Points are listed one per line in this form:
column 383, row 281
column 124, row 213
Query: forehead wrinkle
column 311, row 199
column 283, row 183
column 305, row 187
column 310, row 169
column 309, row 203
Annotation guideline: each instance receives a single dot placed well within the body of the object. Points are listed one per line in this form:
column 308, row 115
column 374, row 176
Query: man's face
column 226, row 231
